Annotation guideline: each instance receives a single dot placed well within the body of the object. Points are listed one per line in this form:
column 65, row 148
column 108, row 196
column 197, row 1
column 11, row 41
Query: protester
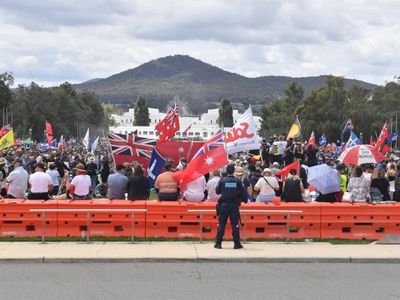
column 40, row 184
column 104, row 170
column 239, row 173
column 18, row 181
column 211, row 186
column 80, row 187
column 166, row 186
column 117, row 183
column 195, row 190
column 343, row 181
column 91, row 169
column 292, row 188
column 379, row 185
column 358, row 186
column 53, row 173
column 138, row 185
column 267, row 186
column 3, row 176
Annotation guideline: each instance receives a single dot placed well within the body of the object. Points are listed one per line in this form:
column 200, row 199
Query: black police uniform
column 232, row 192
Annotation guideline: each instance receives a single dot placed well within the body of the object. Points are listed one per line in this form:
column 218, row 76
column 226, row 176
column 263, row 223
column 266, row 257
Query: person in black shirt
column 380, row 182
column 138, row 185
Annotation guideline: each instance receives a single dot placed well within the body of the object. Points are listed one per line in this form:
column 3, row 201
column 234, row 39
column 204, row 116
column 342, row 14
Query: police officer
column 232, row 192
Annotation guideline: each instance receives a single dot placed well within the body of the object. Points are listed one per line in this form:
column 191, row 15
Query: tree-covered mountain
column 196, row 83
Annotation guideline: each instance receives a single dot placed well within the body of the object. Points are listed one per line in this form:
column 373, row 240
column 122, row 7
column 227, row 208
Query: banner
column 243, row 135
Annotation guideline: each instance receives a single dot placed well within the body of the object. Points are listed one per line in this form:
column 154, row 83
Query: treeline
column 327, row 110
column 27, row 108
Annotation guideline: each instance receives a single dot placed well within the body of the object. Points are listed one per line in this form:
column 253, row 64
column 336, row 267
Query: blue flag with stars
column 155, row 166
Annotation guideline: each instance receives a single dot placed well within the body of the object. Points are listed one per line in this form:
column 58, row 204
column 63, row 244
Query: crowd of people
column 75, row 173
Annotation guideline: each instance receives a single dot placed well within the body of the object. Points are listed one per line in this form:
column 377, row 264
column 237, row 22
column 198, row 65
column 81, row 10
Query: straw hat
column 80, row 167
column 239, row 171
column 2, row 161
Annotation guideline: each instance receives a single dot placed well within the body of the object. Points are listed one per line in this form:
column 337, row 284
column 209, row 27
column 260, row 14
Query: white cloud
column 51, row 41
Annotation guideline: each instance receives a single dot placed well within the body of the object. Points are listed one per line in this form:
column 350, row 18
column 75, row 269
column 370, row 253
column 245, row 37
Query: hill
column 199, row 84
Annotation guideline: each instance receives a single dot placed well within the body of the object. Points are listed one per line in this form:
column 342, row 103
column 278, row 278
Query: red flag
column 284, row 172
column 212, row 155
column 311, row 141
column 49, row 133
column 382, row 137
column 371, row 141
column 168, row 126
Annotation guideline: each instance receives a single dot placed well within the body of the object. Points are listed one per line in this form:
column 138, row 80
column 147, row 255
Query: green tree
column 6, row 80
column 278, row 116
column 142, row 117
column 225, row 112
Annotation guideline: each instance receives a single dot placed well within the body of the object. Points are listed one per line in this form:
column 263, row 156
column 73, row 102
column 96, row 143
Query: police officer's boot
column 217, row 246
column 237, row 246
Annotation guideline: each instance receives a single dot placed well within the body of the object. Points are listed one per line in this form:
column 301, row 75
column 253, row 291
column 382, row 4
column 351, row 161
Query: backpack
column 376, row 195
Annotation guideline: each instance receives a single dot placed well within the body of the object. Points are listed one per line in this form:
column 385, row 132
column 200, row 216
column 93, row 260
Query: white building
column 201, row 127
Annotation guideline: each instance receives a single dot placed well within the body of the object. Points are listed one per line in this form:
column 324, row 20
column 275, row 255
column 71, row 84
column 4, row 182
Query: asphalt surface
column 199, row 281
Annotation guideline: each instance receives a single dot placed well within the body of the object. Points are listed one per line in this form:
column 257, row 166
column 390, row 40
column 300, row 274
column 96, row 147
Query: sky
column 53, row 41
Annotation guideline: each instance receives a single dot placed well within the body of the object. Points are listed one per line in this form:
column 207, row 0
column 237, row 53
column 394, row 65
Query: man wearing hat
column 41, row 184
column 80, row 186
column 212, row 184
column 18, row 181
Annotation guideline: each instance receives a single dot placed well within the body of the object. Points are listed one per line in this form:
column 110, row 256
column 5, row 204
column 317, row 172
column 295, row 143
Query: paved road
column 199, row 281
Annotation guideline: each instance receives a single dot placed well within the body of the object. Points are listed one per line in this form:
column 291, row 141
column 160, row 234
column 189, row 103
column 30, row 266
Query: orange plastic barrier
column 16, row 220
column 359, row 221
column 107, row 224
column 275, row 225
column 172, row 220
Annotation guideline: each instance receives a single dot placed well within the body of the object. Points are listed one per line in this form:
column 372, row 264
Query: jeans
column 230, row 210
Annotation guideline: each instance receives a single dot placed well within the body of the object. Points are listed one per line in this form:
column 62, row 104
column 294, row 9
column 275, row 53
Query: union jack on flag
column 131, row 145
column 214, row 142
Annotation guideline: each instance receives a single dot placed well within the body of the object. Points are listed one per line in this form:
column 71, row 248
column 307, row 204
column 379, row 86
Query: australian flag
column 322, row 140
column 155, row 166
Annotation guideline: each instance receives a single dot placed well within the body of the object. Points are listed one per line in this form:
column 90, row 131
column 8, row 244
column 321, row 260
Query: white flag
column 243, row 135
column 94, row 145
column 85, row 140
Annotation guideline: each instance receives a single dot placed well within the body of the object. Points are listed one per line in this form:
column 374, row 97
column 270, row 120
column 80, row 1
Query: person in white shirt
column 40, row 183
column 266, row 185
column 52, row 171
column 211, row 186
column 18, row 181
column 194, row 190
column 279, row 148
column 80, row 186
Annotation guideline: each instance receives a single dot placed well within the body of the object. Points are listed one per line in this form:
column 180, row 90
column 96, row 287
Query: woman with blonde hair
column 379, row 185
column 266, row 186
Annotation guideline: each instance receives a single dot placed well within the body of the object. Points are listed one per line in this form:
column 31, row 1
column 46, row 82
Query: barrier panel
column 102, row 223
column 16, row 219
column 359, row 221
column 275, row 225
column 172, row 220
